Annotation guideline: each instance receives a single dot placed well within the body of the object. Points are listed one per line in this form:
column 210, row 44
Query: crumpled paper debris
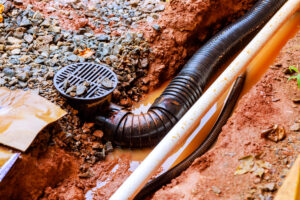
column 23, row 115
column 250, row 164
column 86, row 53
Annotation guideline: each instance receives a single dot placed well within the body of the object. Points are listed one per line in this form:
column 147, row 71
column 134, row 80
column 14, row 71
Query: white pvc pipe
column 181, row 130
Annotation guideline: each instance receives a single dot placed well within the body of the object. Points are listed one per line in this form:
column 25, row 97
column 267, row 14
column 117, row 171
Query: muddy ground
column 244, row 164
column 56, row 167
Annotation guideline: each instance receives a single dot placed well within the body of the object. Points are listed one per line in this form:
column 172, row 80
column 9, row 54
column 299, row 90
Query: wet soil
column 269, row 102
column 47, row 171
column 50, row 172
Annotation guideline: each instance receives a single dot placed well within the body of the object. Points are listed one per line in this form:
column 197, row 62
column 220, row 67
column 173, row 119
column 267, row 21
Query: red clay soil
column 35, row 171
column 269, row 102
column 55, row 174
column 184, row 26
column 49, row 172
column 46, row 8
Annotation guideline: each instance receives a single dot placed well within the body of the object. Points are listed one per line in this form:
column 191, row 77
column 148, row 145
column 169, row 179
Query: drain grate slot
column 94, row 74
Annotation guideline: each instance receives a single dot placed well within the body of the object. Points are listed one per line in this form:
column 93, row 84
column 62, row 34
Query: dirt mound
column 183, row 27
column 35, row 171
column 243, row 164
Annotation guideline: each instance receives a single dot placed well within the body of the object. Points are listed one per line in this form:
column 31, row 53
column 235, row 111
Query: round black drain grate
column 85, row 81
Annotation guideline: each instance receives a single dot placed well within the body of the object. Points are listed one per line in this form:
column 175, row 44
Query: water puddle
column 254, row 72
column 90, row 194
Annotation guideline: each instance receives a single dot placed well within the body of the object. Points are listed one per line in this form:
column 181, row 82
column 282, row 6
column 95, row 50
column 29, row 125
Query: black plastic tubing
column 167, row 176
column 129, row 130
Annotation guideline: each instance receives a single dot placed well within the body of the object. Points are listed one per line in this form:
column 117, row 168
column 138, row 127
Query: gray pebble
column 28, row 38
column 103, row 37
column 25, row 22
column 9, row 72
column 81, row 89
column 73, row 58
column 107, row 83
column 156, row 27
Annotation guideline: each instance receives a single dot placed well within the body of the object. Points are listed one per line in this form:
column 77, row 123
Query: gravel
column 27, row 38
column 34, row 48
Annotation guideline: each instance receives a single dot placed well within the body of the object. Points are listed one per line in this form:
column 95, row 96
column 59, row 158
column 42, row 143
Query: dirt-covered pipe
column 129, row 130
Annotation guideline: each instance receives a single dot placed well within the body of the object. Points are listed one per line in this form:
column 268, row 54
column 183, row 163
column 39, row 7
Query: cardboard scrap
column 23, row 115
column 4, row 156
column 290, row 190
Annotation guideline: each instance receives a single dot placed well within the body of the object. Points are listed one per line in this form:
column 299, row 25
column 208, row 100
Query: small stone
column 16, row 51
column 269, row 187
column 156, row 27
column 7, row 6
column 23, row 76
column 71, row 89
column 109, row 147
column 49, row 75
column 144, row 63
column 18, row 34
column 85, row 83
column 275, row 100
column 46, row 23
column 159, row 8
column 14, row 81
column 53, row 47
column 117, row 49
column 73, row 58
column 96, row 145
column 45, row 39
column 72, row 94
column 22, row 84
column 80, row 90
column 13, row 40
column 37, row 15
column 2, row 81
column 216, row 190
column 103, row 37
column 295, row 127
column 9, row 72
column 140, row 35
column 98, row 133
column 100, row 155
column 25, row 22
column 28, row 38
column 107, row 83
column 66, row 84
column 55, row 29
column 39, row 60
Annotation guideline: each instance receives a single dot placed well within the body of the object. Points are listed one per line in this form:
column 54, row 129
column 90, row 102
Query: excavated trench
column 48, row 170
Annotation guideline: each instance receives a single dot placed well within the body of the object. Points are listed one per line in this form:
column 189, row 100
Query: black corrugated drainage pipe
column 129, row 130
column 172, row 173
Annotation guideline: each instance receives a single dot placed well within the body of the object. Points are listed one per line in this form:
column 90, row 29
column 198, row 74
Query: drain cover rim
column 96, row 85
